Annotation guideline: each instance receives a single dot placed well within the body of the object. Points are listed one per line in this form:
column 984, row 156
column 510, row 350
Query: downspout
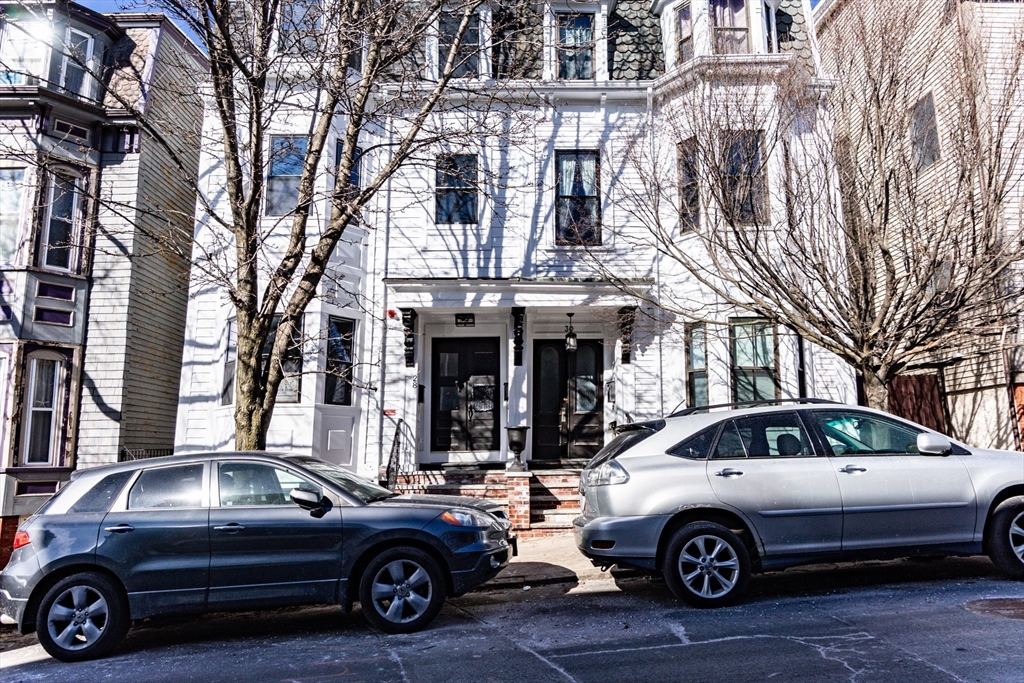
column 384, row 318
column 657, row 262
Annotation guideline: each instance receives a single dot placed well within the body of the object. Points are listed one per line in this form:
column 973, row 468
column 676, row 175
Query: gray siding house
column 93, row 272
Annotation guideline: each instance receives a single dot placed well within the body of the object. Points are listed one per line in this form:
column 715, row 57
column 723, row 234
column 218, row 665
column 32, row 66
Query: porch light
column 570, row 336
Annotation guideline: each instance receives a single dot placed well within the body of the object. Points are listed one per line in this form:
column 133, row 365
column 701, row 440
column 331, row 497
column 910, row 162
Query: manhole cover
column 1008, row 608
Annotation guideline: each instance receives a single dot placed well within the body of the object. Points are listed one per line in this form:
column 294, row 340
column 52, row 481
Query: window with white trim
column 338, row 381
column 729, row 23
column 287, row 156
column 22, row 53
column 12, row 192
column 227, row 390
column 467, row 57
column 578, row 208
column 77, row 61
column 684, row 33
column 42, row 407
column 61, row 226
column 575, row 46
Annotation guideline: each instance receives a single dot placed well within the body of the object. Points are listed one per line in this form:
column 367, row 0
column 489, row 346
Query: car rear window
column 695, row 447
column 631, row 435
column 100, row 497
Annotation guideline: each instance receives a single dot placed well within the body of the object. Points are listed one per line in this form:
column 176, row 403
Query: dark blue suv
column 230, row 531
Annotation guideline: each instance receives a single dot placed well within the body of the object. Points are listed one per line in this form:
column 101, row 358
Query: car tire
column 82, row 616
column 706, row 565
column 401, row 590
column 1005, row 540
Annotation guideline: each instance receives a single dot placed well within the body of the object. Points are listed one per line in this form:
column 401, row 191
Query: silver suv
column 709, row 495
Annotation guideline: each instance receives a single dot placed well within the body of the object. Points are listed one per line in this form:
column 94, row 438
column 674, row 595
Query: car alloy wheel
column 706, row 565
column 401, row 590
column 1005, row 537
column 709, row 566
column 81, row 617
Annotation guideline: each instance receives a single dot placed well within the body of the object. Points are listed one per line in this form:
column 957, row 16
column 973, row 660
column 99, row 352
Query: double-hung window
column 12, row 183
column 287, row 156
column 22, row 52
column 338, row 382
column 467, row 57
column 754, row 376
column 729, row 22
column 297, row 32
column 578, row 210
column 684, row 33
column 575, row 51
column 744, row 187
column 924, row 133
column 75, row 77
column 456, row 189
column 689, row 186
column 60, row 230
column 44, row 391
column 290, row 389
column 696, row 365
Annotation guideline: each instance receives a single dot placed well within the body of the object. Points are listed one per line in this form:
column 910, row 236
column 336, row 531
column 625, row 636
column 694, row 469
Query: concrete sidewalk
column 549, row 560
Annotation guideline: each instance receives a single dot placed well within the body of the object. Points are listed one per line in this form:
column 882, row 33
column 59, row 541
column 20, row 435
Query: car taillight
column 21, row 538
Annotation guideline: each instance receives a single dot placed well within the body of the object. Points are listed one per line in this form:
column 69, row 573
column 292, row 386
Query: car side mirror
column 309, row 500
column 929, row 443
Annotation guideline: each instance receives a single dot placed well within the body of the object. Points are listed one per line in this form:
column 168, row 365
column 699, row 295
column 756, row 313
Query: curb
column 521, row 581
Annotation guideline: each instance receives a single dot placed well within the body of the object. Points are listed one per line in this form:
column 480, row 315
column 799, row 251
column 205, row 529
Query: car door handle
column 230, row 528
column 853, row 469
column 729, row 472
column 120, row 528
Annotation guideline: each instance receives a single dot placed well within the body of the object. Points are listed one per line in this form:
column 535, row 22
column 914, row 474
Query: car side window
column 769, row 435
column 729, row 443
column 852, row 433
column 697, row 446
column 259, row 484
column 100, row 497
column 168, row 487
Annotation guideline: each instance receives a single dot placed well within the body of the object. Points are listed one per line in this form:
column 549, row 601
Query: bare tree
column 390, row 80
column 870, row 212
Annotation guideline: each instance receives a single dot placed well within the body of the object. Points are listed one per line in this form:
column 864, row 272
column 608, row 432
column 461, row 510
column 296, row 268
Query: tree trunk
column 251, row 420
column 876, row 393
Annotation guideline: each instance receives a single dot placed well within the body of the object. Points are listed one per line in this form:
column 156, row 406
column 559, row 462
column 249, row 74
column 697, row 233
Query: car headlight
column 466, row 518
column 607, row 474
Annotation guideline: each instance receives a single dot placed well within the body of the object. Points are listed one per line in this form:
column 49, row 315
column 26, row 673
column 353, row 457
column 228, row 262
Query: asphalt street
column 942, row 620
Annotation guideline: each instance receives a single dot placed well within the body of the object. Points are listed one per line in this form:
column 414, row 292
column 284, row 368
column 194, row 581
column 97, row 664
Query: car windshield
column 363, row 489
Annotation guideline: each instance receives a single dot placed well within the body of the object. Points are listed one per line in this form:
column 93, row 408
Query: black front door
column 464, row 394
column 568, row 417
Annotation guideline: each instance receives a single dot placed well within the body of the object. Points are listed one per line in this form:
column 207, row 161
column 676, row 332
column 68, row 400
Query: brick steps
column 539, row 503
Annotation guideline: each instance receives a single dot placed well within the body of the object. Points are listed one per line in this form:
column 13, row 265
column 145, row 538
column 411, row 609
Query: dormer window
column 467, row 58
column 684, row 33
column 729, row 23
column 575, row 49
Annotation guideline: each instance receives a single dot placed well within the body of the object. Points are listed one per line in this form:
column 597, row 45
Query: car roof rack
column 751, row 404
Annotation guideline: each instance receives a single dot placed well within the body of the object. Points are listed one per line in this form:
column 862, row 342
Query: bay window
column 729, row 23
column 46, row 371
column 287, row 156
column 11, row 200
column 684, row 33
column 22, row 52
column 60, row 228
column 338, row 382
column 752, row 346
column 74, row 75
